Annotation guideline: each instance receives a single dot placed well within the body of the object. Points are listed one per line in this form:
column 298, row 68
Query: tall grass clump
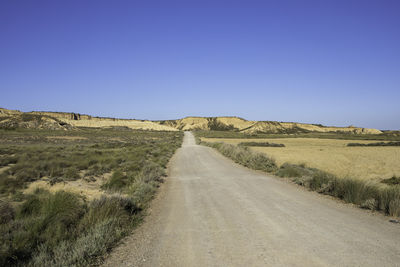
column 366, row 194
column 389, row 200
column 92, row 244
column 106, row 220
column 61, row 229
column 375, row 144
column 44, row 218
column 391, row 181
column 245, row 156
column 293, row 170
column 117, row 181
column 261, row 144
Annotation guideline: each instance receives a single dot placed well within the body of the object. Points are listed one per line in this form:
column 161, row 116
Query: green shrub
column 370, row 204
column 43, row 219
column 142, row 193
column 353, row 190
column 321, row 181
column 392, row 181
column 4, row 161
column 94, row 170
column 6, row 212
column 54, row 230
column 261, row 144
column 84, row 250
column 151, row 171
column 259, row 161
column 117, row 181
column 375, row 144
column 115, row 206
column 289, row 170
column 394, row 207
column 215, row 125
column 9, row 184
column 388, row 199
column 32, row 205
column 71, row 173
column 294, row 170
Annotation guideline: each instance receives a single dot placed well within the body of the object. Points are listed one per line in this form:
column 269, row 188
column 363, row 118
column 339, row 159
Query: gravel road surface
column 213, row 212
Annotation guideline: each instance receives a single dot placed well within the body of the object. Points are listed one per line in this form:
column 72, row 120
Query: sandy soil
column 86, row 188
column 213, row 212
column 3, row 169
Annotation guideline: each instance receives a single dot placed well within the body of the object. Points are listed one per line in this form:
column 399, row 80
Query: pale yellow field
column 331, row 155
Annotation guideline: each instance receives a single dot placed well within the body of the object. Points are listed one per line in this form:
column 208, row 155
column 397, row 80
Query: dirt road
column 213, row 212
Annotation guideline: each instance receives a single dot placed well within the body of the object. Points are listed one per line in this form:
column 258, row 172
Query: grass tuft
column 7, row 212
column 244, row 156
column 392, row 181
column 261, row 144
column 375, row 144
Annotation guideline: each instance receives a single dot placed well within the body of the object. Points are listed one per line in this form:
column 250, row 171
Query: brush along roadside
column 375, row 144
column 368, row 195
column 261, row 144
column 63, row 228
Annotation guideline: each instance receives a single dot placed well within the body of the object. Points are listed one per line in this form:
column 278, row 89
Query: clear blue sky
column 330, row 62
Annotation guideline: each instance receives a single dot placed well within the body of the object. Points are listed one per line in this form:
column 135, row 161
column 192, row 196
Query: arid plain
column 331, row 155
column 72, row 186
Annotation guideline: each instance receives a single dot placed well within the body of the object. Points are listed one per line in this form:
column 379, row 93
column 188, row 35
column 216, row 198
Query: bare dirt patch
column 3, row 169
column 89, row 188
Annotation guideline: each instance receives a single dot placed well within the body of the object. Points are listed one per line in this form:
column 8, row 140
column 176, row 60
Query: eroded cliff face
column 253, row 127
column 63, row 115
column 14, row 119
column 80, row 120
column 291, row 127
column 67, row 120
column 8, row 112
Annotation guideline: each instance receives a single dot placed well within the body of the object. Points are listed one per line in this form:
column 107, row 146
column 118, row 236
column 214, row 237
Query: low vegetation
column 215, row 125
column 63, row 228
column 375, row 144
column 385, row 136
column 244, row 156
column 261, row 144
column 366, row 194
column 392, row 181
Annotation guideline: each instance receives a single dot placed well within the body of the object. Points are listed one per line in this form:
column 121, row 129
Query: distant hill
column 253, row 127
column 13, row 119
column 66, row 121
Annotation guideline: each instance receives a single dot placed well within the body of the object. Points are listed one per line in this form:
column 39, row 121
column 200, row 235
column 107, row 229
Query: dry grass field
column 331, row 155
